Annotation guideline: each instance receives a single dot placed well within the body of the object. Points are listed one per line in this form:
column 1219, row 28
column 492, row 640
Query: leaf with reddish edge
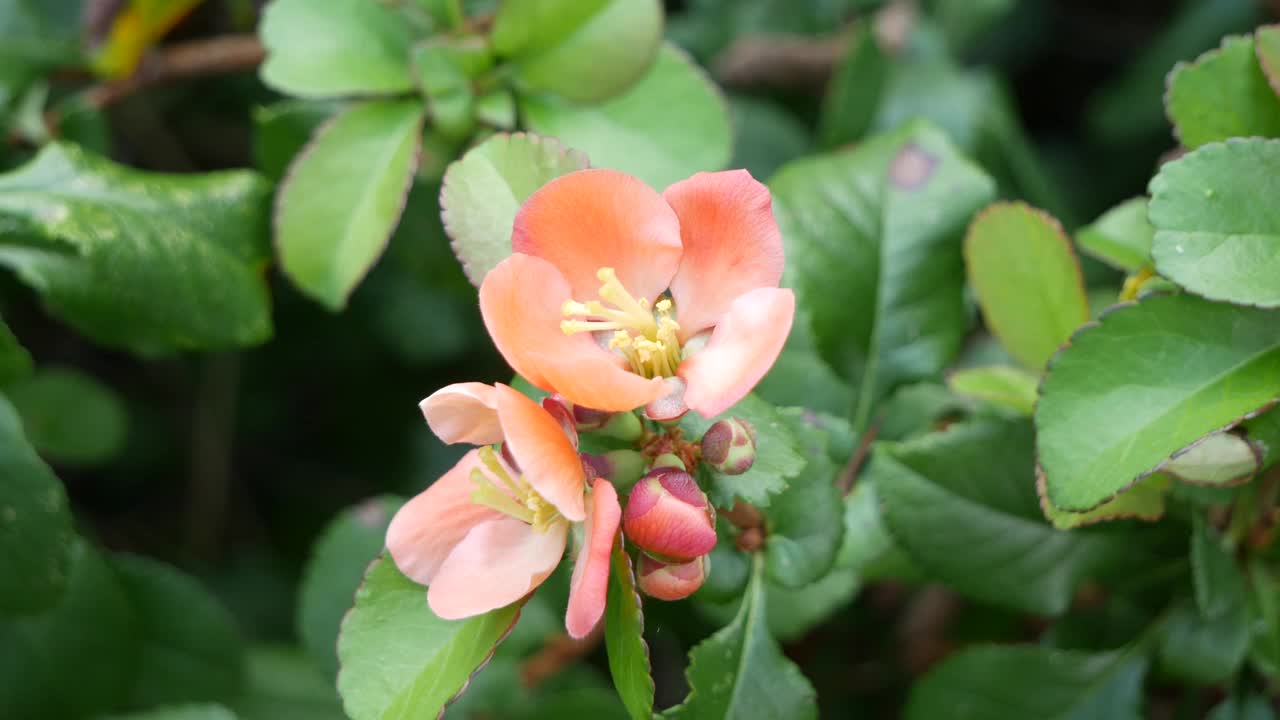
column 398, row 660
column 624, row 637
column 1266, row 43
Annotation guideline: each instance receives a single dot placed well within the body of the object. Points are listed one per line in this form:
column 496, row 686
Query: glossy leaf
column 947, row 495
column 398, row 660
column 35, row 524
column 624, row 637
column 70, row 418
column 740, row 672
column 335, row 48
column 338, row 561
column 146, row 261
column 483, row 190
column 1007, row 387
column 1027, row 280
column 585, row 51
column 190, row 647
column 1121, row 237
column 777, row 461
column 1212, row 235
column 1222, row 94
column 881, row 278
column 1028, row 681
column 15, row 361
column 91, row 637
column 343, row 197
column 1145, row 382
column 670, row 124
column 805, row 522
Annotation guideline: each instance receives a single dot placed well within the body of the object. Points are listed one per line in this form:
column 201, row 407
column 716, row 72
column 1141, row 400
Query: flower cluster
column 629, row 308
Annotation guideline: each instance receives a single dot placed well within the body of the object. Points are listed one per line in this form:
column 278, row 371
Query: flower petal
column 590, row 584
column 547, row 458
column 731, row 245
column 496, row 564
column 597, row 218
column 463, row 412
column 743, row 347
column 596, row 381
column 426, row 529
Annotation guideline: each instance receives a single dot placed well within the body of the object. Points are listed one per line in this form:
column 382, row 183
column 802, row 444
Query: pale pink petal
column 547, row 458
column 426, row 529
column 743, row 347
column 597, row 218
column 590, row 583
column 520, row 300
column 496, row 564
column 731, row 245
column 463, row 412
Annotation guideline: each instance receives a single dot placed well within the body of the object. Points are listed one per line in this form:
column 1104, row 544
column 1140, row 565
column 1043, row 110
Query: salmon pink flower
column 617, row 297
column 496, row 525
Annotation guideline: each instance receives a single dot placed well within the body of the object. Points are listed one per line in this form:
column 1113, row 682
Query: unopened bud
column 729, row 446
column 671, row 581
column 623, row 467
column 624, row 426
column 669, row 460
column 590, row 419
column 668, row 517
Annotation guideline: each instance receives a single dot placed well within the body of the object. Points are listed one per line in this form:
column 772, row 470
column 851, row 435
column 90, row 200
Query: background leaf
column 343, row 197
column 1212, row 235
column 1176, row 369
column 1026, row 278
column 70, row 417
column 15, row 361
column 483, row 190
column 1007, row 387
column 805, row 523
column 1121, row 237
column 672, row 123
column 776, row 458
column 1222, row 94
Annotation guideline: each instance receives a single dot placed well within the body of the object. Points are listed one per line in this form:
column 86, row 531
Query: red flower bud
column 669, row 517
column 729, row 446
column 670, row 581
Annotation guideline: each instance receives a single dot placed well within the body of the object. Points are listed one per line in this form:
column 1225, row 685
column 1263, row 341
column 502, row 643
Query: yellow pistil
column 646, row 337
column 510, row 495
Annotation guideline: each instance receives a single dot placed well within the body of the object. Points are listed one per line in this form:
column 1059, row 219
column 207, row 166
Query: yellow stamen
column 511, row 495
column 647, row 337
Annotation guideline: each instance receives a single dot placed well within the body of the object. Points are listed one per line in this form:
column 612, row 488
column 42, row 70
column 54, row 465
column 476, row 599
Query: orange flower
column 496, row 525
column 617, row 297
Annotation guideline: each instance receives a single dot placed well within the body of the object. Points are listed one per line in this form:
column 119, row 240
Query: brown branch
column 198, row 58
column 850, row 472
column 560, row 652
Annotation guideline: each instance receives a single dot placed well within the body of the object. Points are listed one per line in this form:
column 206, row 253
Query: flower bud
column 729, row 446
column 622, row 467
column 590, row 419
column 624, row 426
column 669, row 460
column 668, row 517
column 670, row 581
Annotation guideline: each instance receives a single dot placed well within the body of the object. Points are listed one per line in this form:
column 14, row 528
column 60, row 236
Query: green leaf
column 70, row 417
column 90, row 639
column 672, row 123
column 1212, row 235
column 343, row 197
column 873, row 251
column 1027, row 280
column 799, row 377
column 147, row 261
column 1007, row 387
column 776, row 458
column 35, row 524
column 335, row 48
column 15, row 361
column 283, row 683
column 181, row 712
column 1267, row 46
column 853, row 96
column 190, row 647
column 281, row 131
column 624, row 637
column 805, row 524
column 948, row 495
column 740, row 672
column 1264, row 605
column 1028, row 681
column 1222, row 94
column 401, row 661
column 1144, row 501
column 338, row 561
column 1145, row 382
column 483, row 190
column 1224, row 458
column 1219, row 586
column 1247, row 707
column 1200, row 650
column 1121, row 237
column 585, row 51
column 766, row 135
